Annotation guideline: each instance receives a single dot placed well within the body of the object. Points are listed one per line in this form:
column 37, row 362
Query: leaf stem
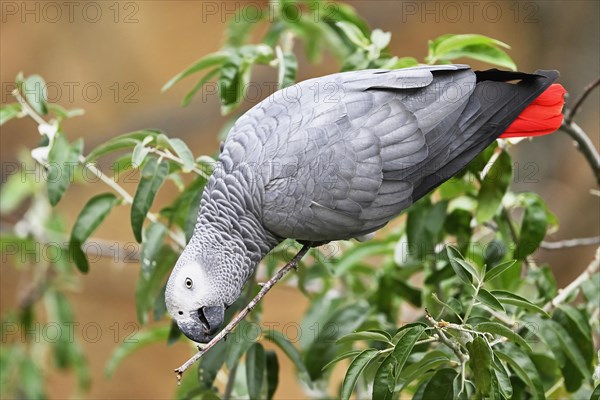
column 472, row 303
column 444, row 339
column 167, row 154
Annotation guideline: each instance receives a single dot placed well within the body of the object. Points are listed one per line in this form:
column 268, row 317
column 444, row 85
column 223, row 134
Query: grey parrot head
column 198, row 291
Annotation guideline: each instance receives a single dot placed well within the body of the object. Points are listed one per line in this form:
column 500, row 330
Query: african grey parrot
column 336, row 158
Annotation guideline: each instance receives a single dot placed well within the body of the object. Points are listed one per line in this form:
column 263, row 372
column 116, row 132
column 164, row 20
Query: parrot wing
column 339, row 156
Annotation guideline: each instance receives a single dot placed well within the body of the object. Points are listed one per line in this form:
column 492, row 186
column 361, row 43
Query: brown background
column 169, row 35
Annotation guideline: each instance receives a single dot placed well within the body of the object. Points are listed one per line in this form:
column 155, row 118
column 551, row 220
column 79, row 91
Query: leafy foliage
column 460, row 257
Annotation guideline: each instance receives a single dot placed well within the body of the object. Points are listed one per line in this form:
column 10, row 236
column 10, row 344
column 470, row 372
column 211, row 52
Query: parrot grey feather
column 335, row 158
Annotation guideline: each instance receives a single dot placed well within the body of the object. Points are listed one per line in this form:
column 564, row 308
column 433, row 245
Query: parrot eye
column 188, row 283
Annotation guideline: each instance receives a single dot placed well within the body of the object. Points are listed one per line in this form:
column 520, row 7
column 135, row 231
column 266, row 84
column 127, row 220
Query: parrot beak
column 203, row 323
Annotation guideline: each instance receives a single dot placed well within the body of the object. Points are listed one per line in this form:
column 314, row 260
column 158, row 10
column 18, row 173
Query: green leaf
column 452, row 304
column 36, row 93
column 380, row 38
column 460, row 266
column 441, row 385
column 288, row 348
column 391, row 367
column 255, row 369
column 272, row 366
column 210, row 60
column 596, row 393
column 122, row 142
column 240, row 26
column 62, row 160
column 60, row 313
column 185, row 208
column 90, row 217
column 142, row 338
column 229, row 83
column 548, row 336
column 576, row 317
column 62, row 113
column 545, row 282
column 494, row 186
column 341, row 357
column 480, row 361
column 501, row 330
column 510, row 298
column 364, row 335
column 567, row 344
column 8, row 112
column 238, row 344
column 151, row 248
column 354, row 34
column 322, row 350
column 15, row 190
column 190, row 95
column 489, row 300
column 533, row 229
column 456, row 42
column 591, row 289
column 288, row 66
column 31, row 380
column 357, row 366
column 520, row 362
column 184, row 152
column 430, row 360
column 153, row 176
column 356, row 254
column 498, row 270
column 154, row 271
column 140, row 151
column 398, row 63
column 485, row 53
column 502, row 378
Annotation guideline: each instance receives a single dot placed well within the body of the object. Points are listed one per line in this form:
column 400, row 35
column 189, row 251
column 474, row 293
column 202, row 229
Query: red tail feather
column 541, row 117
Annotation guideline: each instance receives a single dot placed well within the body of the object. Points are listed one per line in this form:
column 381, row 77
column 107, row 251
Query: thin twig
column 563, row 294
column 585, row 146
column 452, row 345
column 172, row 157
column 292, row 264
column 570, row 114
column 568, row 243
column 444, row 339
column 27, row 108
column 127, row 198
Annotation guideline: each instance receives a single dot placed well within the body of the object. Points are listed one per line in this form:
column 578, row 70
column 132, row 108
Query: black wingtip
column 497, row 75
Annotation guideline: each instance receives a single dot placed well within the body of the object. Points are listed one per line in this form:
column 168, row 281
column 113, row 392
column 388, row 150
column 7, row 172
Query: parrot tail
column 541, row 117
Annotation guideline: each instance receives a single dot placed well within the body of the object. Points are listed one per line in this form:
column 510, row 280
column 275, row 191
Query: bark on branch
column 582, row 140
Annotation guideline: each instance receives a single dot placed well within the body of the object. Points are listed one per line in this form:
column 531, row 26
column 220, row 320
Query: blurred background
column 112, row 58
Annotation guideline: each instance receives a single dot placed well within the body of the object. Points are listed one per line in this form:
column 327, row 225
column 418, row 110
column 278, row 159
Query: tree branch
column 563, row 294
column 570, row 114
column 585, row 146
column 582, row 140
column 292, row 264
column 444, row 339
column 565, row 244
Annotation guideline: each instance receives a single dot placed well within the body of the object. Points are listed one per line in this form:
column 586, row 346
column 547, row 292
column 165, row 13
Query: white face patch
column 188, row 289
